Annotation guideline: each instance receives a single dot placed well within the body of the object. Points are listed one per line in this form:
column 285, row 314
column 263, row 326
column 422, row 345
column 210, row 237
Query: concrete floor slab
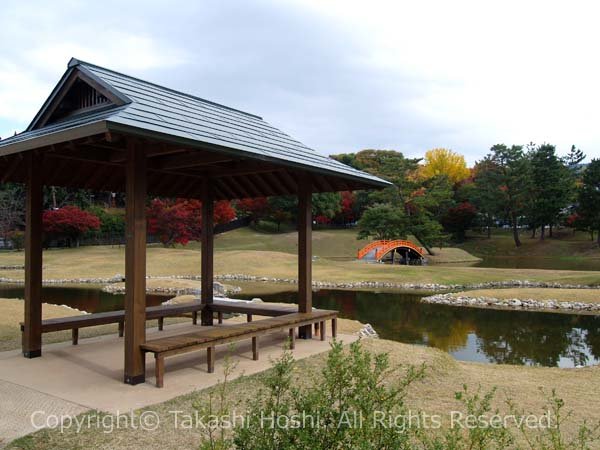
column 89, row 376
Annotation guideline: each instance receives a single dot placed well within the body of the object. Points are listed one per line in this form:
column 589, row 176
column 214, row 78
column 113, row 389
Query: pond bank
column 319, row 284
column 517, row 300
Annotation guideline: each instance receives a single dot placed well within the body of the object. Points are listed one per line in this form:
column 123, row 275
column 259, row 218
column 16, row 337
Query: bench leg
column 210, row 359
column 316, row 328
column 159, row 370
column 334, row 328
column 195, row 318
column 121, row 328
column 248, row 317
column 75, row 335
column 161, row 323
column 255, row 348
column 322, row 330
column 292, row 339
column 220, row 317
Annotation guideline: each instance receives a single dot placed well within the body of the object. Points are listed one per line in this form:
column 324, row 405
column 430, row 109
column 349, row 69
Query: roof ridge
column 75, row 62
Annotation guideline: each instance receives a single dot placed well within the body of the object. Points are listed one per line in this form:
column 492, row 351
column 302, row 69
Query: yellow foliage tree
column 442, row 161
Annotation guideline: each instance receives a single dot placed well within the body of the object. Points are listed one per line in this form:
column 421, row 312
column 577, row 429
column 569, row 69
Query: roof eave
column 57, row 137
column 371, row 181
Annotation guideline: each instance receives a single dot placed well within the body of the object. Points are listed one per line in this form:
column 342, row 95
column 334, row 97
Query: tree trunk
column 550, row 230
column 598, row 237
column 515, row 231
column 542, row 232
column 533, row 232
column 489, row 232
column 592, row 235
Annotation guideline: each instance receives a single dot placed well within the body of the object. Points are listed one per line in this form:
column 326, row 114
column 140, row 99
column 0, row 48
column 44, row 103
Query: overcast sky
column 339, row 76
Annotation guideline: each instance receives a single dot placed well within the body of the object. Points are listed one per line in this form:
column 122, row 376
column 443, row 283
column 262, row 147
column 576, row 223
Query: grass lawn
column 435, row 395
column 565, row 245
column 561, row 295
column 106, row 261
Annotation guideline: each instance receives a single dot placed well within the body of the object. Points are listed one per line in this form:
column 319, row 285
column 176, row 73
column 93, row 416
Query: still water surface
column 469, row 334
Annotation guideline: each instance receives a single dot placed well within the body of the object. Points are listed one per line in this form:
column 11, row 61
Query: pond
column 87, row 298
column 468, row 334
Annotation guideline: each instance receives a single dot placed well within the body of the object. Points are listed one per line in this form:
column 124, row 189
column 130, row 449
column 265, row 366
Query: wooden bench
column 241, row 307
column 209, row 338
column 251, row 309
column 74, row 323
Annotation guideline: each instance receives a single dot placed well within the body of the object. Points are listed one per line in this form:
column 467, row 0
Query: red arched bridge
column 376, row 250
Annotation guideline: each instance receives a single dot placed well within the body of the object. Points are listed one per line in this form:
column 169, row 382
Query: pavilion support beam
column 135, row 265
column 32, row 334
column 207, row 244
column 305, row 252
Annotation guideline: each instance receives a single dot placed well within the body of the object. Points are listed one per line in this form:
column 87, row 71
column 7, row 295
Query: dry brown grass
column 435, row 395
column 451, row 255
column 541, row 294
column 105, row 262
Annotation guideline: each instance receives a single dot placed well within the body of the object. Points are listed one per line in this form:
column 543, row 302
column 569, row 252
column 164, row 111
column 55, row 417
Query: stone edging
column 407, row 286
column 329, row 284
column 12, row 267
column 513, row 303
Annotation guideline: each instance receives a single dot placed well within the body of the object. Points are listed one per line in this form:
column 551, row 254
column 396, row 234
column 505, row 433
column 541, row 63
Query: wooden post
column 32, row 334
column 135, row 265
column 207, row 237
column 255, row 348
column 159, row 370
column 210, row 359
column 305, row 252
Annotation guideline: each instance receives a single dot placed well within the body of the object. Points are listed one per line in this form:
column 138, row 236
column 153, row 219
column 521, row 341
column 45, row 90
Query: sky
column 338, row 75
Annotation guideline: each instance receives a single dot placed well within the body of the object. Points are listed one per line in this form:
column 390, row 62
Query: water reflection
column 509, row 337
column 470, row 334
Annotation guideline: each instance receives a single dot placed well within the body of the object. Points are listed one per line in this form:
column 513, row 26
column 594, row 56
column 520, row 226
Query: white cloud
column 340, row 75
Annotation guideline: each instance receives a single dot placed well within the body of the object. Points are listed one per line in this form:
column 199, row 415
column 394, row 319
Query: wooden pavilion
column 105, row 131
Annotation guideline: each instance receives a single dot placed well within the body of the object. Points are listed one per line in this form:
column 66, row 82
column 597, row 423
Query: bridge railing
column 369, row 247
column 383, row 246
column 389, row 245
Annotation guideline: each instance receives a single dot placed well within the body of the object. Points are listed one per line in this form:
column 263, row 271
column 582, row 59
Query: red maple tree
column 180, row 221
column 69, row 222
column 255, row 208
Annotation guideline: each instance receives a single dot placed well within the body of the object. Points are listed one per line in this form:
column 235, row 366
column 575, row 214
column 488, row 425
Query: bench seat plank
column 203, row 336
column 103, row 318
column 259, row 309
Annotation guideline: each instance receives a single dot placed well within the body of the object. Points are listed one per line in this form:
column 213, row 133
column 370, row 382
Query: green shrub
column 358, row 402
column 17, row 239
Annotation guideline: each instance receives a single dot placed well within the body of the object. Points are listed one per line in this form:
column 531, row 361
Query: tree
column 180, row 221
column 551, row 187
column 487, row 195
column 589, row 197
column 349, row 208
column 458, row 219
column 255, row 208
column 513, row 182
column 12, row 209
column 283, row 209
column 112, row 222
column 383, row 222
column 442, row 161
column 223, row 212
column 70, row 222
column 326, row 204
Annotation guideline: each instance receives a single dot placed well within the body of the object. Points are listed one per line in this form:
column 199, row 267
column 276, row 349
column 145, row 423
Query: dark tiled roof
column 156, row 109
